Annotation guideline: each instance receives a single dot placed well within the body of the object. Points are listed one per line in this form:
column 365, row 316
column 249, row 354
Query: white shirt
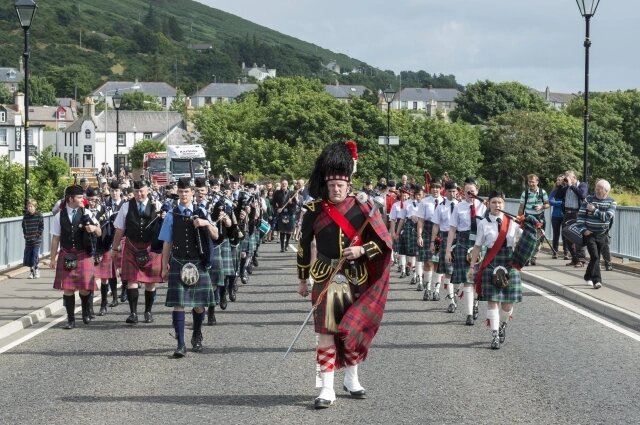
column 488, row 232
column 55, row 226
column 397, row 213
column 121, row 218
column 461, row 216
column 442, row 214
column 428, row 206
column 412, row 209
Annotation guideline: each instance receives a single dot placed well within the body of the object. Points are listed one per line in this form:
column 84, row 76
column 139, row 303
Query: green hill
column 79, row 44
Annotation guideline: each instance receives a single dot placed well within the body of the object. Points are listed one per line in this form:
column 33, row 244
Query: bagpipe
column 202, row 235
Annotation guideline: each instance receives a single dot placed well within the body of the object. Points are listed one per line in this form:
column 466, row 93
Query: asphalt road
column 426, row 366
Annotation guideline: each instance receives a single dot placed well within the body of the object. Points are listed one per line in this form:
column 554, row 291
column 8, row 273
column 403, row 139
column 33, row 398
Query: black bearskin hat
column 336, row 162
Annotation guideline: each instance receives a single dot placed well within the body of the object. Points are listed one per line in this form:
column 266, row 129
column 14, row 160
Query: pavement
column 25, row 302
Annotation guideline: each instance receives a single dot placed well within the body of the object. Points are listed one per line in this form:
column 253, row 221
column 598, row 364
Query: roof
column 345, row 91
column 227, row 90
column 48, row 113
column 159, row 89
column 10, row 75
column 131, row 121
column 555, row 97
column 427, row 94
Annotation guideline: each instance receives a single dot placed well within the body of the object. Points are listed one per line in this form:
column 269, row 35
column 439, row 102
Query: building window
column 207, row 100
column 415, row 106
column 121, row 139
column 62, row 114
column 164, row 102
column 87, row 134
column 3, row 116
column 3, row 137
column 146, row 136
column 77, row 161
column 403, row 104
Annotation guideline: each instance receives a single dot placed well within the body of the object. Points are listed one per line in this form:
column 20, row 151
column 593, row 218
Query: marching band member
column 398, row 213
column 406, row 229
column 425, row 226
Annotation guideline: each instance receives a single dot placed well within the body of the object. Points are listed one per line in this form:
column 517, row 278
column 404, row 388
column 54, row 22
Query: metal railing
column 12, row 241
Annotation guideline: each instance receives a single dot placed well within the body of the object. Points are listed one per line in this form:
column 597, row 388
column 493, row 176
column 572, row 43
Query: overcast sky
column 536, row 42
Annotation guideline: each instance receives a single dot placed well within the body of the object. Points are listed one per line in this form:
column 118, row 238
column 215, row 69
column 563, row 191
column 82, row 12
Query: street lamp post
column 26, row 10
column 389, row 94
column 117, row 100
column 587, row 10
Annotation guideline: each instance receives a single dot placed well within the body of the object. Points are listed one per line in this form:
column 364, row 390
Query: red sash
column 502, row 235
column 342, row 222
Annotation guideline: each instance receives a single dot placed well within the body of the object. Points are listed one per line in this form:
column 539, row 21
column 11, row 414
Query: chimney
column 18, row 101
column 73, row 105
column 21, row 66
column 547, row 93
column 89, row 111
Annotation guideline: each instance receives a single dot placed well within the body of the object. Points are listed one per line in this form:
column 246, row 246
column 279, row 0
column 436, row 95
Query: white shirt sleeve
column 55, row 225
column 121, row 217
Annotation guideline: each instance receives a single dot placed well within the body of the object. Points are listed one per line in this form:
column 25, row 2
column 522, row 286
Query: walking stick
column 377, row 203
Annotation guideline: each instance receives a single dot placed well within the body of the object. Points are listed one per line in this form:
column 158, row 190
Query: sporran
column 142, row 257
column 189, row 274
column 70, row 262
column 500, row 277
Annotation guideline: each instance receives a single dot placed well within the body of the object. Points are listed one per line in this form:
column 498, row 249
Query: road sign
column 393, row 140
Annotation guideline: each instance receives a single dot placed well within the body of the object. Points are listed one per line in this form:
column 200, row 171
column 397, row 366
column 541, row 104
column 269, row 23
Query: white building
column 220, row 92
column 12, row 134
column 425, row 100
column 259, row 73
column 163, row 92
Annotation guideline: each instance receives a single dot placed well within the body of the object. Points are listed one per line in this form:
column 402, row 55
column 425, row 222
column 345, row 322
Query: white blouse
column 488, row 232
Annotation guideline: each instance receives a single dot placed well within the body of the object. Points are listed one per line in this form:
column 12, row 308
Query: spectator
column 557, row 217
column 572, row 194
column 32, row 228
column 533, row 201
column 596, row 212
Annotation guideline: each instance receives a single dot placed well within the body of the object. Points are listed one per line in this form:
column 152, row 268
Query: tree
column 484, row 100
column 73, row 81
column 41, row 92
column 6, row 97
column 11, row 188
column 138, row 101
column 173, row 29
column 136, row 153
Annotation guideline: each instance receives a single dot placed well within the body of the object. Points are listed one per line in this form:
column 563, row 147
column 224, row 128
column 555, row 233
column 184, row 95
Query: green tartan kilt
column 215, row 271
column 235, row 258
column 444, row 267
column 423, row 251
column 249, row 243
column 526, row 247
column 510, row 294
column 408, row 239
column 228, row 268
column 460, row 264
column 180, row 295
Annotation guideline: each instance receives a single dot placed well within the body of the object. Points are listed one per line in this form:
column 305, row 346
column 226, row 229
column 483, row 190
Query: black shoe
column 470, row 321
column 148, row 317
column 223, row 302
column 86, row 319
column 281, row 249
column 71, row 323
column 435, row 296
column 451, row 308
column 427, row 295
column 123, row 296
column 566, row 257
column 92, row 315
column 361, row 394
column 103, row 310
column 211, row 316
column 502, row 332
column 232, row 294
column 321, row 403
column 608, row 267
column 254, row 261
column 495, row 340
column 533, row 261
column 180, row 352
column 249, row 269
column 132, row 319
column 114, row 303
column 244, row 279
column 554, row 257
column 196, row 343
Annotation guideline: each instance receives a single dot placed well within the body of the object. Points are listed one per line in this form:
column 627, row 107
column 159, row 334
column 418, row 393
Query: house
column 12, row 135
column 220, row 92
column 56, row 117
column 425, row 100
column 557, row 100
column 332, row 66
column 345, row 93
column 163, row 92
column 11, row 77
column 259, row 73
column 93, row 138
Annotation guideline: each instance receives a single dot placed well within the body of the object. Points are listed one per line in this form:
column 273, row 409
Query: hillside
column 77, row 45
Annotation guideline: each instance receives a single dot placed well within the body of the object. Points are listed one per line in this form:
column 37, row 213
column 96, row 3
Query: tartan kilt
column 510, row 294
column 215, row 271
column 423, row 251
column 286, row 227
column 320, row 314
column 460, row 264
column 526, row 247
column 235, row 258
column 105, row 268
column 443, row 267
column 228, row 268
column 81, row 278
column 395, row 245
column 179, row 295
column 248, row 244
column 408, row 239
column 130, row 270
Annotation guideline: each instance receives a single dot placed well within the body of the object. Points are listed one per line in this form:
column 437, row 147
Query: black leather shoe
column 86, row 319
column 244, row 279
column 608, row 267
column 196, row 343
column 254, row 261
column 211, row 316
column 114, row 303
column 148, row 317
column 123, row 296
column 70, row 324
column 91, row 312
column 362, row 394
column 103, row 310
column 180, row 352
column 132, row 319
column 321, row 403
column 223, row 302
column 470, row 321
column 232, row 294
column 249, row 269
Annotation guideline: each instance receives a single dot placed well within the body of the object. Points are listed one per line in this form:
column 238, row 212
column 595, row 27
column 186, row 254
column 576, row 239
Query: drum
column 572, row 232
column 264, row 227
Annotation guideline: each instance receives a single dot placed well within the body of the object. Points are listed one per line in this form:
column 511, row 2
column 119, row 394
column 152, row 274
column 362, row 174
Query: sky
column 536, row 42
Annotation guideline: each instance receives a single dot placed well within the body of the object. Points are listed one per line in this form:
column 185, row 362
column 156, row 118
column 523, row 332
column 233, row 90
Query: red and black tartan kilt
column 424, row 254
column 510, row 294
column 105, row 268
column 131, row 272
column 444, row 267
column 460, row 264
column 408, row 239
column 320, row 314
column 81, row 278
column 180, row 295
column 526, row 247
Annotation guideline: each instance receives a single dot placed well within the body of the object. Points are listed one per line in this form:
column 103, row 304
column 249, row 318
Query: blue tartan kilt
column 180, row 295
column 460, row 264
column 249, row 243
column 444, row 267
column 408, row 239
column 235, row 257
column 526, row 247
column 215, row 270
column 228, row 268
column 423, row 251
column 510, row 294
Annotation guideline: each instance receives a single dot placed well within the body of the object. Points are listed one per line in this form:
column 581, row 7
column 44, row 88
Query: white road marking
column 583, row 312
column 293, row 247
column 32, row 334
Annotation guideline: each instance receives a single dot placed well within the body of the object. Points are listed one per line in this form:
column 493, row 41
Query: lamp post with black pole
column 389, row 94
column 587, row 10
column 26, row 10
column 117, row 101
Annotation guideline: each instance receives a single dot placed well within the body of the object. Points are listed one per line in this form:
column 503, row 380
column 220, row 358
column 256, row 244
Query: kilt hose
column 526, row 248
column 228, row 268
column 408, row 239
column 460, row 264
column 444, row 267
column 79, row 279
column 320, row 314
column 180, row 295
column 423, row 251
column 105, row 268
column 510, row 294
column 131, row 272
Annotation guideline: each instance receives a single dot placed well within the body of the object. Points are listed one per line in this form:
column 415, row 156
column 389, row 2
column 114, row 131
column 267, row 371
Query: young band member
column 70, row 231
column 349, row 313
column 406, row 231
column 138, row 220
column 285, row 203
column 496, row 282
column 398, row 213
column 425, row 226
column 463, row 228
column 186, row 231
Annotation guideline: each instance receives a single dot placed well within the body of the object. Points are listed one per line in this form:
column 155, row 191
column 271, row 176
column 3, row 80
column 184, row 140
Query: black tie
column 187, row 212
column 499, row 221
